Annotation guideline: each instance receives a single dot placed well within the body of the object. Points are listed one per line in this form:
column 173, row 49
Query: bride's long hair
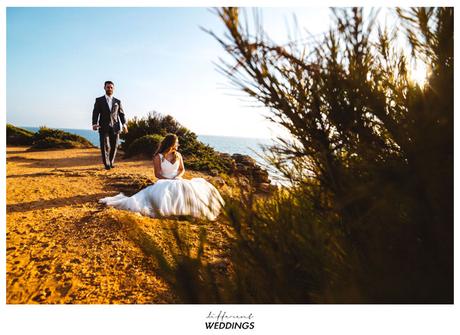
column 166, row 144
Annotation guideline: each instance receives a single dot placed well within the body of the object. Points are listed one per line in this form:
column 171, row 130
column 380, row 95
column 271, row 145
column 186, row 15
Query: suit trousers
column 108, row 142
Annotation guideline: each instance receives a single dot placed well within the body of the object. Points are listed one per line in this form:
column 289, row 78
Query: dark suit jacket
column 102, row 114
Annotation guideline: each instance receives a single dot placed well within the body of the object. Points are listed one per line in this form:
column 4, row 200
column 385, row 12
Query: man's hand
column 125, row 128
column 95, row 127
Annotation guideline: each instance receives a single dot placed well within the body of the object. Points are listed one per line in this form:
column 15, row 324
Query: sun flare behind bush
column 419, row 73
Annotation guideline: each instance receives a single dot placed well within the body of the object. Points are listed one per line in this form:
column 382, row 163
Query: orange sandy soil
column 65, row 247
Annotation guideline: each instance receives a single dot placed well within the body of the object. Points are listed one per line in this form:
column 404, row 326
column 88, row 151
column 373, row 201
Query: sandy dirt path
column 64, row 247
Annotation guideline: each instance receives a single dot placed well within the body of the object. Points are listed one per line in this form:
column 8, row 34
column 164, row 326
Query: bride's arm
column 157, row 167
column 181, row 170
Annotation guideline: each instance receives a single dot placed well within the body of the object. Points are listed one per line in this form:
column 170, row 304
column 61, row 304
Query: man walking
column 109, row 119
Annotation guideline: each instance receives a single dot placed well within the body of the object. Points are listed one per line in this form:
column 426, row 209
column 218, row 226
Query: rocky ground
column 65, row 247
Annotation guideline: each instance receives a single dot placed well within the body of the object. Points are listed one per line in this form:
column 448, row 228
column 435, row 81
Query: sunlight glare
column 419, row 73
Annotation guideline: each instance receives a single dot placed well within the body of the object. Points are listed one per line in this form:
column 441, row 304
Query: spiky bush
column 369, row 214
column 371, row 150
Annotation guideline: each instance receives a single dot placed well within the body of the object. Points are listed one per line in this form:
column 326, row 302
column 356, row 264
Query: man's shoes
column 107, row 167
column 112, row 166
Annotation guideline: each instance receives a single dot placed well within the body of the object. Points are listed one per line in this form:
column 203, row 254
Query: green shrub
column 18, row 136
column 54, row 143
column 209, row 163
column 145, row 145
column 47, row 138
column 197, row 155
column 153, row 123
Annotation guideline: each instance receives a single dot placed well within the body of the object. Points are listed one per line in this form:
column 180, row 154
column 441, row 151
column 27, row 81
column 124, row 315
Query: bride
column 171, row 195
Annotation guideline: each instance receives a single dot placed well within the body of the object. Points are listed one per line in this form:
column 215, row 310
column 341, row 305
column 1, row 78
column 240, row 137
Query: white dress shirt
column 109, row 101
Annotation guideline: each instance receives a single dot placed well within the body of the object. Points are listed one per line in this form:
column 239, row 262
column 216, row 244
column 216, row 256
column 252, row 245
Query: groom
column 109, row 118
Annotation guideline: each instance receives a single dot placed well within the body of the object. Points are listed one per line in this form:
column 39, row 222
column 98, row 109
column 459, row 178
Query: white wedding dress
column 167, row 197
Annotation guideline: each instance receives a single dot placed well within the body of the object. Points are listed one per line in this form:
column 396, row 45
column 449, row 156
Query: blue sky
column 159, row 59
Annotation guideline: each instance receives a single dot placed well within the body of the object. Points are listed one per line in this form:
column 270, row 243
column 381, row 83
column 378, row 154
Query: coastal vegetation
column 18, row 136
column 145, row 134
column 48, row 138
column 145, row 145
column 45, row 138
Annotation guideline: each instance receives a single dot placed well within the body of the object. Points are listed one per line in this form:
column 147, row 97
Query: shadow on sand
column 54, row 203
column 65, row 162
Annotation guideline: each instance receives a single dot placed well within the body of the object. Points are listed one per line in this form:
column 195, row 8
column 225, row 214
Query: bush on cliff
column 145, row 145
column 145, row 133
column 47, row 138
column 18, row 136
